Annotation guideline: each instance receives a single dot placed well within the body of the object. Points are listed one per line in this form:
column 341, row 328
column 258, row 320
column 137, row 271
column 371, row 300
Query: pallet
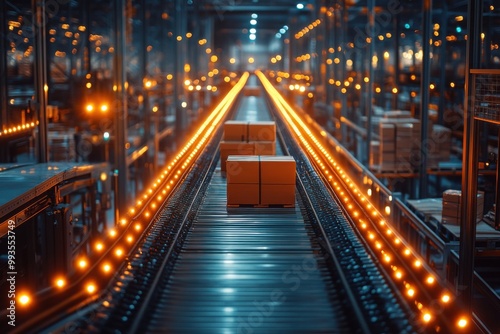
column 261, row 206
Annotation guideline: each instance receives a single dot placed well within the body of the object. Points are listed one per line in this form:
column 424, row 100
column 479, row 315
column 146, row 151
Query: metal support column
column 41, row 86
column 343, row 24
column 424, row 90
column 469, row 162
column 397, row 56
column 87, row 44
column 497, row 188
column 3, row 67
column 328, row 31
column 179, row 53
column 443, row 57
column 146, row 112
column 120, row 112
column 369, row 93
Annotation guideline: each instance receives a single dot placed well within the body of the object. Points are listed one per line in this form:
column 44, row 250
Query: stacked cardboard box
column 247, row 138
column 452, row 201
column 439, row 145
column 384, row 117
column 277, row 180
column 243, row 180
column 393, row 152
column 260, row 180
column 235, row 131
column 397, row 114
column 399, row 143
column 374, row 158
column 262, row 131
column 228, row 148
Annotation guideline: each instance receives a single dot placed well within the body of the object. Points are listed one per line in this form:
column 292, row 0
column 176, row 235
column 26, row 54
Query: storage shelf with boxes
column 256, row 180
column 398, row 144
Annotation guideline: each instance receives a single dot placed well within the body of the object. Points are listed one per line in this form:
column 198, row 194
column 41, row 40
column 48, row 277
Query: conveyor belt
column 206, row 269
column 236, row 271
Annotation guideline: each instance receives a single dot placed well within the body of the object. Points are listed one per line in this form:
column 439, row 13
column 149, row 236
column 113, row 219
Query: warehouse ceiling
column 233, row 17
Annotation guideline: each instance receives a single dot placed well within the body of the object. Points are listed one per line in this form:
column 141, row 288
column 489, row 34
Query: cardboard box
column 235, row 131
column 242, row 169
column 262, row 131
column 249, row 131
column 374, row 153
column 387, row 146
column 265, row 147
column 387, row 157
column 228, row 148
column 451, row 209
column 387, row 131
column 452, row 205
column 452, row 195
column 277, row 170
column 397, row 114
column 264, row 180
column 243, row 194
column 451, row 220
column 277, row 194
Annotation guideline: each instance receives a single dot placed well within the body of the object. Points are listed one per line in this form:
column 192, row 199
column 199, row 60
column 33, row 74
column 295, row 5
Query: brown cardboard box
column 265, row 180
column 242, row 169
column 235, row 130
column 374, row 153
column 451, row 209
column 241, row 194
column 262, row 131
column 387, row 146
column 387, row 131
column 452, row 195
column 451, row 212
column 388, row 157
column 397, row 114
column 281, row 194
column 265, row 147
column 228, row 148
column 277, row 170
column 451, row 220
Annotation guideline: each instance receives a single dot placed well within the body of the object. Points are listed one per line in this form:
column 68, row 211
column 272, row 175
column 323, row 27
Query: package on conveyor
column 260, row 180
column 247, row 138
column 262, row 131
column 243, row 180
column 277, row 180
column 264, row 147
column 235, row 131
column 452, row 201
column 249, row 131
column 228, row 148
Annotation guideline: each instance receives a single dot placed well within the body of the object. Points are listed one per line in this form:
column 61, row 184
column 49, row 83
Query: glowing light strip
column 301, row 130
column 18, row 128
column 111, row 250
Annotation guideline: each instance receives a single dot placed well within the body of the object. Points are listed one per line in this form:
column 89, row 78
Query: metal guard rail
column 404, row 220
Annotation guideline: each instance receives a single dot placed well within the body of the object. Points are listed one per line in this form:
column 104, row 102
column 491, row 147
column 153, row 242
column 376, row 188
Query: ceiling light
column 300, row 6
column 253, row 22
